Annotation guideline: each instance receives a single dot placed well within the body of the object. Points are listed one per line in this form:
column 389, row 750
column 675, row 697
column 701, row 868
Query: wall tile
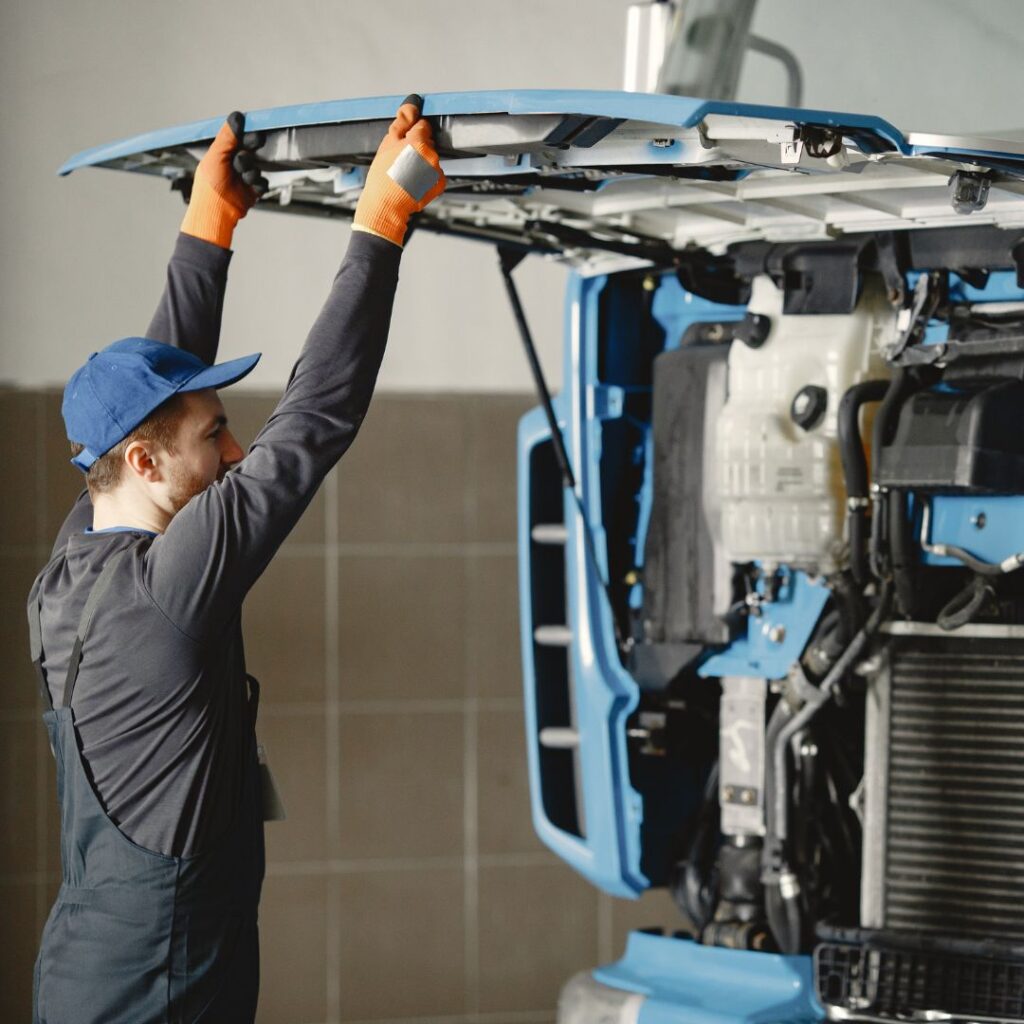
column 538, row 927
column 293, row 937
column 20, row 943
column 19, row 846
column 494, row 664
column 20, row 424
column 402, row 948
column 401, row 785
column 19, row 688
column 654, row 909
column 402, row 623
column 503, row 791
column 405, row 477
column 284, row 629
column 493, row 421
column 247, row 413
column 296, row 748
column 63, row 482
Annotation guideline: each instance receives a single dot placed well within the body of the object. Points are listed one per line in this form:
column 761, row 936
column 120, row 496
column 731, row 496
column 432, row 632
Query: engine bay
column 817, row 567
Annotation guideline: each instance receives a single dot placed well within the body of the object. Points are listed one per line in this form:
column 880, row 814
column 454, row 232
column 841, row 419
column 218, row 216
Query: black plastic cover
column 679, row 556
column 894, row 983
column 959, row 442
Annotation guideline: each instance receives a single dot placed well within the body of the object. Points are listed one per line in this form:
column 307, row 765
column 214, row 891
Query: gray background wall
column 407, row 884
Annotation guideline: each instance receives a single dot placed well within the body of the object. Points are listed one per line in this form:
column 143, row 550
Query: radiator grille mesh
column 955, row 825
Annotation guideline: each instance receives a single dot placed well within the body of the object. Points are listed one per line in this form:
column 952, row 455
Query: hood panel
column 602, row 180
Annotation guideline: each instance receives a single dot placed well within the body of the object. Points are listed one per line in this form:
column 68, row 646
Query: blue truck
column 769, row 530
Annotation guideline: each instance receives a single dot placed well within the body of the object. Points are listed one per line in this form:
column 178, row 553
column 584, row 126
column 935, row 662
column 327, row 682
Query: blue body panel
column 871, row 134
column 954, row 519
column 605, row 694
column 685, row 983
column 794, row 613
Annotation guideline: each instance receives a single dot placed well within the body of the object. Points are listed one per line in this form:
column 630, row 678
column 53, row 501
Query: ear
column 143, row 460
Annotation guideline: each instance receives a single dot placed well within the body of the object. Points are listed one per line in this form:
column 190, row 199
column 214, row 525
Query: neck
column 119, row 508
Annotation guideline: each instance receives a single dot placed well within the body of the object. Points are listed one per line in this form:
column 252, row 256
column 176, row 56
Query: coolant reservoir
column 779, row 487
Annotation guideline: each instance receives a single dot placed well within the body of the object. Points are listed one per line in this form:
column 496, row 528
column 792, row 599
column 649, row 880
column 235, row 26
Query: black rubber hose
column 965, row 606
column 693, row 886
column 901, row 551
column 855, row 469
column 901, row 385
column 850, row 603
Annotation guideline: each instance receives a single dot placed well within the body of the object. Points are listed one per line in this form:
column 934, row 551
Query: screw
column 747, row 796
column 728, row 793
column 978, row 520
column 776, row 634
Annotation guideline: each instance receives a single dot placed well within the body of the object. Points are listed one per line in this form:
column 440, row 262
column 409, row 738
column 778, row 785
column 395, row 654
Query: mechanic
column 135, row 622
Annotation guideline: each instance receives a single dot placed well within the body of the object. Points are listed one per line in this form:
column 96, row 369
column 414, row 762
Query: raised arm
column 190, row 308
column 189, row 312
column 215, row 548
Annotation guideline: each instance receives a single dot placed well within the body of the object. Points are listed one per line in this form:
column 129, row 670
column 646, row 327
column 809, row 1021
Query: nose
column 231, row 451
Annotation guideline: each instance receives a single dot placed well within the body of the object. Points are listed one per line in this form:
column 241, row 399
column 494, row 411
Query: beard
column 185, row 485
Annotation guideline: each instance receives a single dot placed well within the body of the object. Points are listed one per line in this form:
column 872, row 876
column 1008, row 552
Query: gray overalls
column 136, row 936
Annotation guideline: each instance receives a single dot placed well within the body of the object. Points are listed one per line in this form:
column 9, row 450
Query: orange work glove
column 405, row 175
column 220, row 199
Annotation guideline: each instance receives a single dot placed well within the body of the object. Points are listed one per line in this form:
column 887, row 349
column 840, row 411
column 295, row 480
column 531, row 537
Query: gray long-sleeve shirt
column 160, row 703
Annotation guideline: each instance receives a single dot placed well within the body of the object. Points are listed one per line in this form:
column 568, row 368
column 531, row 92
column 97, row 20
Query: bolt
column 728, row 793
column 747, row 796
column 776, row 634
column 978, row 520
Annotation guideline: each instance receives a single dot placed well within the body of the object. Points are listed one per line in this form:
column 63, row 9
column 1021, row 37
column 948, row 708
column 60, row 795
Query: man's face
column 204, row 448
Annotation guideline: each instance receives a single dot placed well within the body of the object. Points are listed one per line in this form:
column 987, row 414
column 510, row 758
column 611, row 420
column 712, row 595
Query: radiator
column 944, row 786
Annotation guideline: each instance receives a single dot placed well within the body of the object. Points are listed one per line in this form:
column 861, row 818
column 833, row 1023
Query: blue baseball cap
column 119, row 386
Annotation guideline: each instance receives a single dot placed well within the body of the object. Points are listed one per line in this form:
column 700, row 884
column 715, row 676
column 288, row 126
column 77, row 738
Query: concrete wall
column 82, row 260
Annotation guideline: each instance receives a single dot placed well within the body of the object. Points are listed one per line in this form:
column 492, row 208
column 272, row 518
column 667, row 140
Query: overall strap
column 99, row 588
column 35, row 643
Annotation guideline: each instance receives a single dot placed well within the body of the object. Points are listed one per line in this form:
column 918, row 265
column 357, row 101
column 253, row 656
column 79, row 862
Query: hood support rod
column 509, row 260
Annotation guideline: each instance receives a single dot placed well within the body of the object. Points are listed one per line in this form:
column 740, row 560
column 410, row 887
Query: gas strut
column 509, row 260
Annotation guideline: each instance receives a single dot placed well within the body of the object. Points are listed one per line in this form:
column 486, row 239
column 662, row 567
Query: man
column 135, row 621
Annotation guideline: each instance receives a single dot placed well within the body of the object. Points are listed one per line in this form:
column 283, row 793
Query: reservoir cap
column 808, row 407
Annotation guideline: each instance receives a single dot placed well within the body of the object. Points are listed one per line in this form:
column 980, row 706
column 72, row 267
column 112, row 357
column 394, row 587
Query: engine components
column 777, row 480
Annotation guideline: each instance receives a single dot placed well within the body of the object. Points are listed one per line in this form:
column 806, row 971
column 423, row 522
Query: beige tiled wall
column 407, row 883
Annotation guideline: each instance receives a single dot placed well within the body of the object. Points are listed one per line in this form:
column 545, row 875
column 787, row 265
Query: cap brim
column 222, row 374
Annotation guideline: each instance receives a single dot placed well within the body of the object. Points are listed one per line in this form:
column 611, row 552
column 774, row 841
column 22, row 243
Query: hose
column 692, row 889
column 902, row 556
column 966, row 605
column 782, row 887
column 901, row 385
column 855, row 469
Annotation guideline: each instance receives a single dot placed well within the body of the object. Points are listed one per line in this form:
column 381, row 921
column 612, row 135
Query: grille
column 954, row 851
column 888, row 982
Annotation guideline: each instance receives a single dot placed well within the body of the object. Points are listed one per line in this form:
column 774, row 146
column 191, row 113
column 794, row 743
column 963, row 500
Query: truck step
column 553, row 636
column 556, row 737
column 549, row 533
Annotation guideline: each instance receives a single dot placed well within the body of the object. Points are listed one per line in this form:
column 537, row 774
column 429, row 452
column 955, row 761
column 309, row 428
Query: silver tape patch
column 413, row 173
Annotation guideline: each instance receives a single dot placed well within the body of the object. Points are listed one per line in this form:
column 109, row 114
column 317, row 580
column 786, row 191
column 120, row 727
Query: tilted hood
column 608, row 179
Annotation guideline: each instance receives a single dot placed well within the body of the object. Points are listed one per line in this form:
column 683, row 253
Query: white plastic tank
column 779, row 488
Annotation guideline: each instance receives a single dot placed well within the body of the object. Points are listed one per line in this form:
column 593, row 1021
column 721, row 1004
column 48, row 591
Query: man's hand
column 405, row 175
column 220, row 198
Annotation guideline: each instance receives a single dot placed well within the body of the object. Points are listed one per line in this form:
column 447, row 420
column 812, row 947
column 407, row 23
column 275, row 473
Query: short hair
column 161, row 426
